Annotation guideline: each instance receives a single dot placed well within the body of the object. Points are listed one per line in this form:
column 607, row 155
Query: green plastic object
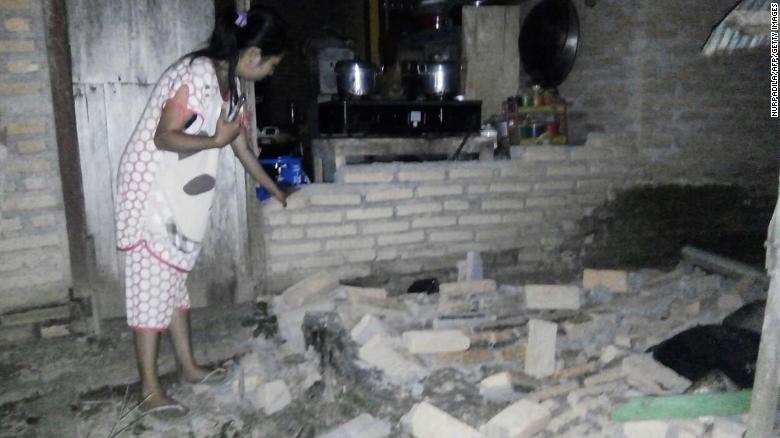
column 683, row 406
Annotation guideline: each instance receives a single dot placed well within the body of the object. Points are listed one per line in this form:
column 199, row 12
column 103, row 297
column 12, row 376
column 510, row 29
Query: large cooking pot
column 439, row 79
column 355, row 78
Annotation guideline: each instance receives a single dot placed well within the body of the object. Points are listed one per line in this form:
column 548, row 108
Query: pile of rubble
column 473, row 359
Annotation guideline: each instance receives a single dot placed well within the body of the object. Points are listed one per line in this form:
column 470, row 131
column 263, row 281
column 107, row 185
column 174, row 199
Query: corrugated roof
column 746, row 26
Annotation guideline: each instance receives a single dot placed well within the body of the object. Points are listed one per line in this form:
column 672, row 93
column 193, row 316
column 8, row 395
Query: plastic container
column 285, row 170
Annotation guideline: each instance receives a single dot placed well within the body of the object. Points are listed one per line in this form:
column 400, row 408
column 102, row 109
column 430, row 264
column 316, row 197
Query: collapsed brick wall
column 639, row 77
column 413, row 218
column 34, row 260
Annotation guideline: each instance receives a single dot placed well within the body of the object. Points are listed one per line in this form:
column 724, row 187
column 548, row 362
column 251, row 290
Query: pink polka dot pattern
column 141, row 159
column 154, row 289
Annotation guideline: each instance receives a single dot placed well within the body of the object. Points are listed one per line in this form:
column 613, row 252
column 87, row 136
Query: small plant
column 264, row 322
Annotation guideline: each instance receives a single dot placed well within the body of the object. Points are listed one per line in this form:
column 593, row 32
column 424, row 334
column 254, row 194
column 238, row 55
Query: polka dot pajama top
column 163, row 198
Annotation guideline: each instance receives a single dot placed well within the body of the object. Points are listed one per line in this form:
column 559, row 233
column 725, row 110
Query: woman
column 166, row 184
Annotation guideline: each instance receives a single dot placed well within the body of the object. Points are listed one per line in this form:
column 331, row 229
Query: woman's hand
column 280, row 196
column 226, row 131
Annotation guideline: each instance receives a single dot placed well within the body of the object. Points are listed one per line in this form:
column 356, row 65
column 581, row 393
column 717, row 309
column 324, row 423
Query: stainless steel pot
column 439, row 79
column 355, row 78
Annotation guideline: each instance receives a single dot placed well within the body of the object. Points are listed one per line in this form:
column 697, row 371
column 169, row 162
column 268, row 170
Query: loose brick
column 461, row 288
column 505, row 204
column 381, row 352
column 400, row 238
column 421, row 175
column 480, row 219
column 272, row 397
column 18, row 24
column 294, row 249
column 540, row 353
column 385, row 227
column 552, row 297
column 369, row 213
column 435, row 341
column 357, row 295
column 16, row 46
column 350, row 243
column 312, row 286
column 448, row 190
column 450, row 236
column 368, row 327
column 616, row 281
column 418, row 208
column 427, row 421
column 287, row 234
column 389, row 195
column 427, row 222
column 55, row 331
column 510, row 187
column 514, row 353
column 468, row 357
column 364, row 426
column 321, row 232
column 523, row 418
column 22, row 128
column 335, row 199
column 315, row 218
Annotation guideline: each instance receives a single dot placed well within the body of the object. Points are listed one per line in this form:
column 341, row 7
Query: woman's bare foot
column 195, row 374
column 157, row 400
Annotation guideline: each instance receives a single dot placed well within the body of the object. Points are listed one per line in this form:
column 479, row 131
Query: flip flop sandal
column 167, row 412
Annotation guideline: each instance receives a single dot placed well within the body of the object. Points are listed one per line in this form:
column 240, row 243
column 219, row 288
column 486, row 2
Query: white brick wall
column 34, row 257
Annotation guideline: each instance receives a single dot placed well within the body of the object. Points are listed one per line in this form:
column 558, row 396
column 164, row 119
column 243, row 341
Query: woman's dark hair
column 264, row 29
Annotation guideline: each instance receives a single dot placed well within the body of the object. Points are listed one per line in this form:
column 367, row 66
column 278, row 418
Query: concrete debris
column 552, row 297
column 467, row 288
column 521, row 419
column 383, row 353
column 540, row 354
column 427, row 421
column 360, row 295
column 312, row 286
column 272, row 397
column 728, row 428
column 362, row 426
column 615, row 281
column 367, row 328
column 435, row 341
column 644, row 373
column 498, row 387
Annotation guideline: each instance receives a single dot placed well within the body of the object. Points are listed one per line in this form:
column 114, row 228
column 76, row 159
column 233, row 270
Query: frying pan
column 548, row 41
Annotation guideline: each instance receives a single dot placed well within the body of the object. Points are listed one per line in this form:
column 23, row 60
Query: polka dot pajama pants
column 153, row 290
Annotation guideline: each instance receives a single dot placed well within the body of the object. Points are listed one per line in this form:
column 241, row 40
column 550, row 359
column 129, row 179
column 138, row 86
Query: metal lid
column 346, row 64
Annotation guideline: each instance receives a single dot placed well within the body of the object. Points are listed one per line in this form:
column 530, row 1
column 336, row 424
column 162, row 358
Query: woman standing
column 166, row 183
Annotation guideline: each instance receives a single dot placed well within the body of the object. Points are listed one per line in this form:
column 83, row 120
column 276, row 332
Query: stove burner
column 399, row 118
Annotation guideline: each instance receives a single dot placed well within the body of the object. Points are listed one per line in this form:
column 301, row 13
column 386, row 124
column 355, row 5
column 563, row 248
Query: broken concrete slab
column 451, row 290
column 615, row 281
column 538, row 296
column 644, row 373
column 383, row 353
column 521, row 419
column 540, row 352
column 368, row 327
column 310, row 287
column 362, row 426
column 427, row 421
column 435, row 341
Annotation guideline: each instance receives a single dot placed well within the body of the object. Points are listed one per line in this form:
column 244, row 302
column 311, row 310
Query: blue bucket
column 285, row 170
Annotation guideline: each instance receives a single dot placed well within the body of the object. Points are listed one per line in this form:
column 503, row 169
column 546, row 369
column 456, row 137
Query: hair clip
column 241, row 20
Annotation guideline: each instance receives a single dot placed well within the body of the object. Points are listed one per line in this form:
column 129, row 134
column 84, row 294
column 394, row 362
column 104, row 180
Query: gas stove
column 366, row 117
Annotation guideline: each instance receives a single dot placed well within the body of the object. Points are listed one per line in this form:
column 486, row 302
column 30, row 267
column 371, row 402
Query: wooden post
column 764, row 400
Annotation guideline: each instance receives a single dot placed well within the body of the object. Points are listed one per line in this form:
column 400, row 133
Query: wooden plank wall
column 119, row 50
